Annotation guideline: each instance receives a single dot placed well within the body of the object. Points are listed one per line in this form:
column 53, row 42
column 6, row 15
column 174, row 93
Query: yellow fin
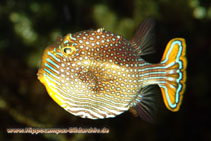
column 175, row 63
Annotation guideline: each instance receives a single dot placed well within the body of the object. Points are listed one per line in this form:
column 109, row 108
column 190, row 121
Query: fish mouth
column 39, row 75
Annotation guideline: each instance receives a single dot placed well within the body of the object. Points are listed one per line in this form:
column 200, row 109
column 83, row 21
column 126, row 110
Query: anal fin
column 147, row 103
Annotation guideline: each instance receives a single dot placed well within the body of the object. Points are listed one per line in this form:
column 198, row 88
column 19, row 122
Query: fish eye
column 67, row 50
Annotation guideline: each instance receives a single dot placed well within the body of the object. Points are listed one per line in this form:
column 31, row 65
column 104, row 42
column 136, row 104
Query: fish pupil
column 67, row 50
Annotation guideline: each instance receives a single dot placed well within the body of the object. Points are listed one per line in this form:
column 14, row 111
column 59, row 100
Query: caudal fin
column 175, row 63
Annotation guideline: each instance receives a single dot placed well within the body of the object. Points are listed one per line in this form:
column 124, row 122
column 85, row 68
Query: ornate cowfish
column 98, row 74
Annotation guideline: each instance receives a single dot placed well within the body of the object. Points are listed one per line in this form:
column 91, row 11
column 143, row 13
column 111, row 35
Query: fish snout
column 40, row 74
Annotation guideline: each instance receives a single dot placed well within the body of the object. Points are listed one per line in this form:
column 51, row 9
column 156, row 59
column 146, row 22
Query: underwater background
column 27, row 27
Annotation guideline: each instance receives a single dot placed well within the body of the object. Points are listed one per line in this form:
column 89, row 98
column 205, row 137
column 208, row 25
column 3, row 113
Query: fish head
column 61, row 66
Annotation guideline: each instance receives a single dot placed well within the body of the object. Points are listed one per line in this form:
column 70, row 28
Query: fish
column 97, row 74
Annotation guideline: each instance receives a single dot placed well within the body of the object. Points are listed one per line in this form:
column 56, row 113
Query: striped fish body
column 97, row 74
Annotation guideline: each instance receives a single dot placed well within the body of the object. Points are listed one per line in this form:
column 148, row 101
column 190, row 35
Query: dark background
column 27, row 27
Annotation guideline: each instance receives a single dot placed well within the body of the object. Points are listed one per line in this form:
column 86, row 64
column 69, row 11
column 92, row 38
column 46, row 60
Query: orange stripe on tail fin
column 175, row 63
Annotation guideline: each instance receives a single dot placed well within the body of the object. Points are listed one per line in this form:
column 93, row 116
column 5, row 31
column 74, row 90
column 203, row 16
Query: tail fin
column 175, row 63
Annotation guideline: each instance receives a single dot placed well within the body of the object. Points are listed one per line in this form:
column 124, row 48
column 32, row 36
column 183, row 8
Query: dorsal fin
column 143, row 39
